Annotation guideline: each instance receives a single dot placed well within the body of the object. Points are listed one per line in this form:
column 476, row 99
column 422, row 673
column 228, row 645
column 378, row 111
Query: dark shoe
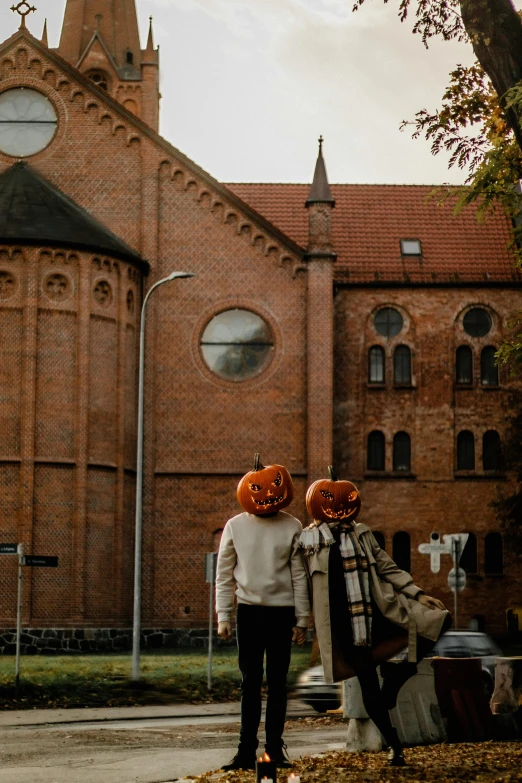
column 279, row 756
column 396, row 757
column 241, row 761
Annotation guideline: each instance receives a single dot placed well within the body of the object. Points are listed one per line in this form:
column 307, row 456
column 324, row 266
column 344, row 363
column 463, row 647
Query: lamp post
column 136, row 626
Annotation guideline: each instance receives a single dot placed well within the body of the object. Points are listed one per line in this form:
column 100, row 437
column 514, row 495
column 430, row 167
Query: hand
column 298, row 635
column 431, row 603
column 225, row 630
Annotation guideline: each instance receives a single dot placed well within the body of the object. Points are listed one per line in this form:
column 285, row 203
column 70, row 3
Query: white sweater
column 259, row 556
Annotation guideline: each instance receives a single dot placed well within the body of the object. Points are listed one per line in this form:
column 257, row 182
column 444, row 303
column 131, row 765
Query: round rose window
column 237, row 344
column 27, row 122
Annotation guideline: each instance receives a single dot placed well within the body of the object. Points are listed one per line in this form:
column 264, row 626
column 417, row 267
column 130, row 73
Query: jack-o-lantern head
column 265, row 491
column 329, row 500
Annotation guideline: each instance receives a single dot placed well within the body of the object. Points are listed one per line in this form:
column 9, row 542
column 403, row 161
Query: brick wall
column 435, row 497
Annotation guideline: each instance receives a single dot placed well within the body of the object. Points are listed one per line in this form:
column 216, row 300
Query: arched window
column 376, row 450
column 468, row 559
column 465, row 450
column 491, row 451
column 402, row 550
column 402, row 365
column 376, row 364
column 464, row 364
column 493, row 554
column 488, row 366
column 401, row 451
column 379, row 537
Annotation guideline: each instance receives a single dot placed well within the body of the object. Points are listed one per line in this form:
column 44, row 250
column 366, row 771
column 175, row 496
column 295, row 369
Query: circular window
column 388, row 322
column 477, row 322
column 27, row 122
column 237, row 344
column 99, row 78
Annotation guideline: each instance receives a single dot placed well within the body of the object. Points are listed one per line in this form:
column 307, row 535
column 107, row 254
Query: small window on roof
column 411, row 247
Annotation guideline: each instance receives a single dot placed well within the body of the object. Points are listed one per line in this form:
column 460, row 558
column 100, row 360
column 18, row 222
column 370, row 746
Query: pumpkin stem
column 331, row 473
column 258, row 465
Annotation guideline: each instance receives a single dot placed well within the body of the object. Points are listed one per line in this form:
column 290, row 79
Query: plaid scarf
column 356, row 577
column 356, row 573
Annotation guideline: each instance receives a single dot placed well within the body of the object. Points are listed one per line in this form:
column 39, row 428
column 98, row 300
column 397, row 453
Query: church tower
column 101, row 39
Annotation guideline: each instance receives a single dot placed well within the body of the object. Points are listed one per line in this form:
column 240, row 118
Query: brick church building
column 353, row 324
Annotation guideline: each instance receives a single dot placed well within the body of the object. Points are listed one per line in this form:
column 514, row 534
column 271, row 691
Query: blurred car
column 471, row 644
column 314, row 691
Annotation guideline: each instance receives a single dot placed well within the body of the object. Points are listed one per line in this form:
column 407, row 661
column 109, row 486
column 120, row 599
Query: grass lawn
column 104, row 680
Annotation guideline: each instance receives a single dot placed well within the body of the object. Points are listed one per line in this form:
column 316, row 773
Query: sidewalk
column 38, row 717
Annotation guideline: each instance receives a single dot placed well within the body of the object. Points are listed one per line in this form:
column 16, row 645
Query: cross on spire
column 23, row 8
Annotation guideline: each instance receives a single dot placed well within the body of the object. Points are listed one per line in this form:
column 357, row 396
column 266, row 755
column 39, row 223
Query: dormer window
column 411, row 247
column 100, row 79
column 130, row 58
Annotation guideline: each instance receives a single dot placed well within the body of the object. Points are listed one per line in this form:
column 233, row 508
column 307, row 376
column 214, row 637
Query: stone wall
column 55, row 641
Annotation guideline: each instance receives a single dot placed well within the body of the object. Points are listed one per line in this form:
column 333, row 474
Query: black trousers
column 260, row 630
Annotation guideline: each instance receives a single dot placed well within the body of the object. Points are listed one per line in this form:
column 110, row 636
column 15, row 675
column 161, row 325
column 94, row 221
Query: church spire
column 45, row 38
column 320, row 191
column 150, row 40
column 115, row 22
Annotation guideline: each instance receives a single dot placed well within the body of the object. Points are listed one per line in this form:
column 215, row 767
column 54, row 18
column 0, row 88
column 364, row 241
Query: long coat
column 394, row 593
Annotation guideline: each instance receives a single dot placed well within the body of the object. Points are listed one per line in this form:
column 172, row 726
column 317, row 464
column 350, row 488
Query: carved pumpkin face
column 330, row 500
column 265, row 491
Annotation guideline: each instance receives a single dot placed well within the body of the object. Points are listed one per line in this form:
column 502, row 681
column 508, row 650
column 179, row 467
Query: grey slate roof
column 35, row 212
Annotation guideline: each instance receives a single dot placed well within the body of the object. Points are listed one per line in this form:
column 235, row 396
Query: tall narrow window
column 493, row 554
column 379, row 537
column 402, row 365
column 401, row 550
column 491, row 451
column 376, row 364
column 488, row 366
column 402, row 451
column 376, row 450
column 468, row 560
column 464, row 364
column 465, row 450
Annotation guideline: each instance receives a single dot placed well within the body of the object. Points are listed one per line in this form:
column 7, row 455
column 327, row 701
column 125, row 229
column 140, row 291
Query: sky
column 249, row 85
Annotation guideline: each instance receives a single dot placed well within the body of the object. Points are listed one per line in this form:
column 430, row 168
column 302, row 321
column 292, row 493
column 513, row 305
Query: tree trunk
column 495, row 30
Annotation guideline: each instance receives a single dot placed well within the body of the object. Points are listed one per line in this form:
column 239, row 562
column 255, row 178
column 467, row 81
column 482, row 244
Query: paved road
column 137, row 745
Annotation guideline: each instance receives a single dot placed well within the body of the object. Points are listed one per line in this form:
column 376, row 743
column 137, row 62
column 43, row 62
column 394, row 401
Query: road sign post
column 457, row 576
column 210, row 575
column 20, row 549
column 32, row 561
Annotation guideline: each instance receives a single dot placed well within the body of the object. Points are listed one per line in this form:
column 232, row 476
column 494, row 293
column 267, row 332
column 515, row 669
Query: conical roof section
column 115, row 21
column 320, row 191
column 35, row 212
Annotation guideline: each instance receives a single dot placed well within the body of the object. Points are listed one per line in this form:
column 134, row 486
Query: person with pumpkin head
column 259, row 560
column 366, row 609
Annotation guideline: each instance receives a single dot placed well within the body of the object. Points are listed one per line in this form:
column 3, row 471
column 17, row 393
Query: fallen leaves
column 486, row 762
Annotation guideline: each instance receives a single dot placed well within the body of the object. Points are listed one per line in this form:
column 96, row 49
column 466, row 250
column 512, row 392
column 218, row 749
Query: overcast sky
column 249, row 85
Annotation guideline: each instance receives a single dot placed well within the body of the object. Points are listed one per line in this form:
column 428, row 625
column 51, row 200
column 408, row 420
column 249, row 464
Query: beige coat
column 394, row 593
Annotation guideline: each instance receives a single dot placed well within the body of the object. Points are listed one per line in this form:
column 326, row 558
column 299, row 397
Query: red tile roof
column 369, row 221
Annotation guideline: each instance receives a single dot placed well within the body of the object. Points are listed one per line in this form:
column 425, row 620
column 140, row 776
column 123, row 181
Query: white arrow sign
column 456, row 543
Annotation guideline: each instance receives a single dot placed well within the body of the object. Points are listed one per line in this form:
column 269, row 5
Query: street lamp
column 136, row 626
